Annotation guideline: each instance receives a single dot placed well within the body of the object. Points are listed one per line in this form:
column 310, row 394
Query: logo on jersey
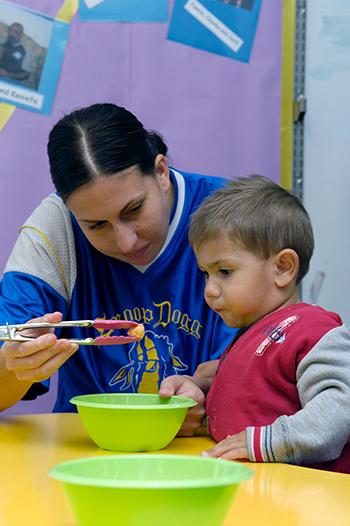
column 150, row 361
column 277, row 335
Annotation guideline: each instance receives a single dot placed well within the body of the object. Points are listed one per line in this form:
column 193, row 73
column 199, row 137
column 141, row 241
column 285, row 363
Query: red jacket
column 286, row 381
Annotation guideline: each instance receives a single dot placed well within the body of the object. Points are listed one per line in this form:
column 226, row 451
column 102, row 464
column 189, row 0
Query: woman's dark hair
column 96, row 141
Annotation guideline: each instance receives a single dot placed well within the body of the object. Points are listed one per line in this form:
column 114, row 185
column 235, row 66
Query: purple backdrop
column 218, row 116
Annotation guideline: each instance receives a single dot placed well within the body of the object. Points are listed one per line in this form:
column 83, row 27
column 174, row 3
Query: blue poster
column 31, row 55
column 123, row 10
column 224, row 27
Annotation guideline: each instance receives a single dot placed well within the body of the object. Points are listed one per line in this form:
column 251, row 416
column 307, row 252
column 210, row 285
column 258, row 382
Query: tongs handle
column 114, row 340
column 114, row 324
column 12, row 332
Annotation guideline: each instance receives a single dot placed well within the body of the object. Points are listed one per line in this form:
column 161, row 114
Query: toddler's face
column 240, row 286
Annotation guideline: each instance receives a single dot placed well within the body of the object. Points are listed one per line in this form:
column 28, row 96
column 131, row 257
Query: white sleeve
column 45, row 247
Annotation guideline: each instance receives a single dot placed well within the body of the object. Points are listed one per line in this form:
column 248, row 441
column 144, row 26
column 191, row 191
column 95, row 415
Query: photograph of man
column 244, row 4
column 13, row 54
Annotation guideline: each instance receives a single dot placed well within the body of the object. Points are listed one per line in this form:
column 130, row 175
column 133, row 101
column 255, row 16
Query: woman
column 112, row 243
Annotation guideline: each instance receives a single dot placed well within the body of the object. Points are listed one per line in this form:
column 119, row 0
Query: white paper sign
column 15, row 94
column 211, row 22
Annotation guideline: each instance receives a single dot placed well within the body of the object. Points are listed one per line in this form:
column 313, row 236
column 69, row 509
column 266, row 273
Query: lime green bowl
column 132, row 422
column 149, row 490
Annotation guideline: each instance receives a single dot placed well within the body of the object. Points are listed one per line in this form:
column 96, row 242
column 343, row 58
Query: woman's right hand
column 37, row 360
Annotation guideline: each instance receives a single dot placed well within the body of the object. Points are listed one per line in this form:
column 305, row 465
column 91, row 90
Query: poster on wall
column 123, row 10
column 224, row 27
column 31, row 55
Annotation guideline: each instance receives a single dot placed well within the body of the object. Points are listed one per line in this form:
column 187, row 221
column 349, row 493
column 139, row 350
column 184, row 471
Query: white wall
column 327, row 149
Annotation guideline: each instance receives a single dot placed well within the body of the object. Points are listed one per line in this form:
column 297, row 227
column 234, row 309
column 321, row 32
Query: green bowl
column 133, row 421
column 150, row 490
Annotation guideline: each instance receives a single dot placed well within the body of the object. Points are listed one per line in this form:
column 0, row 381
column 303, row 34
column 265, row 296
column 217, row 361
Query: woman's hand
column 206, row 369
column 204, row 374
column 185, row 386
column 37, row 360
column 232, row 448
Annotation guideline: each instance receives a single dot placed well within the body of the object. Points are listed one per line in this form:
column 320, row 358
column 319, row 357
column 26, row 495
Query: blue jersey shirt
column 54, row 267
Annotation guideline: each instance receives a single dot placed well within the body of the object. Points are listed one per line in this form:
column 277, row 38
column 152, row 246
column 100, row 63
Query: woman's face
column 126, row 215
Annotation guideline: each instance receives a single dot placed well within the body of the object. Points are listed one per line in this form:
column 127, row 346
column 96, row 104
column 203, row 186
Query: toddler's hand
column 232, row 448
column 183, row 385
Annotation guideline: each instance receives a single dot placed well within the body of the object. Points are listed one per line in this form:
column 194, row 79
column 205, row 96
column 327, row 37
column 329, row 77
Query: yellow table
column 278, row 494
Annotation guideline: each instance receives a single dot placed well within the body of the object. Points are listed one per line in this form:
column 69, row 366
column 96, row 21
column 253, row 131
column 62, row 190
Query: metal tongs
column 12, row 333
